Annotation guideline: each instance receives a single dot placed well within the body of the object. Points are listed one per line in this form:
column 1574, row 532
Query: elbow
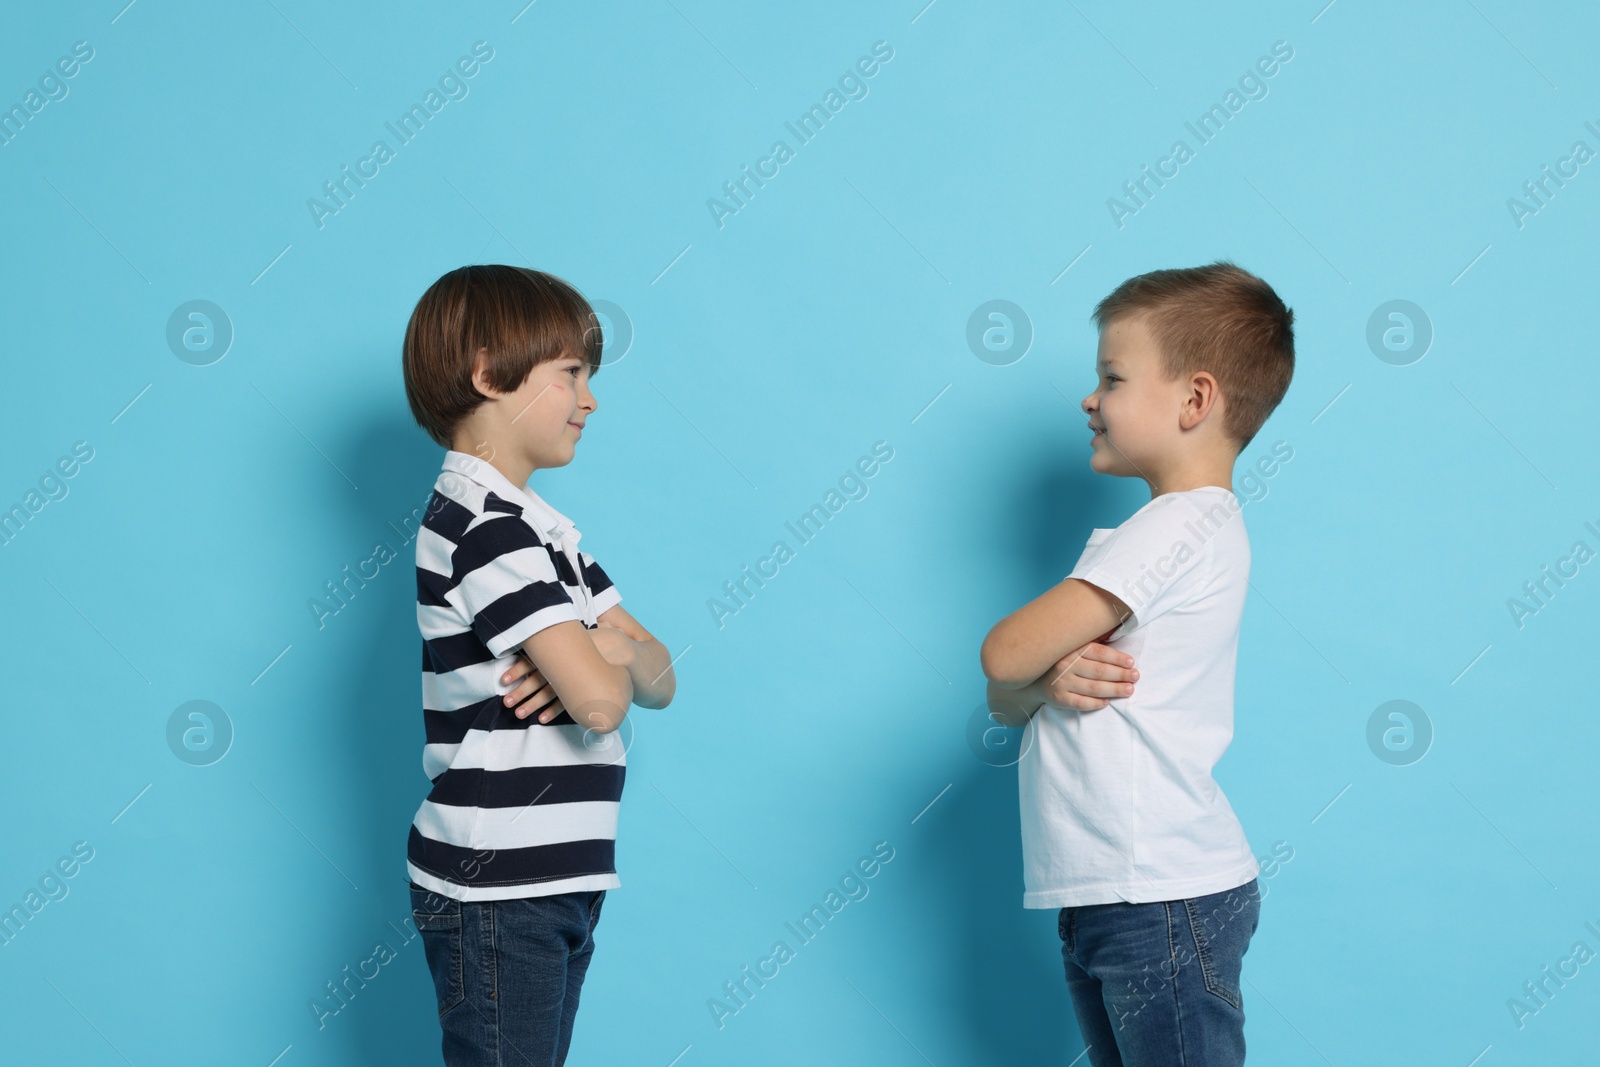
column 618, row 702
column 606, row 717
column 988, row 658
column 997, row 666
column 603, row 711
column 1007, row 718
column 604, row 725
column 660, row 700
column 1003, row 709
column 661, row 689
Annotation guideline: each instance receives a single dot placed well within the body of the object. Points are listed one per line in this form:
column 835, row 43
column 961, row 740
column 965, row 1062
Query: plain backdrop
column 831, row 312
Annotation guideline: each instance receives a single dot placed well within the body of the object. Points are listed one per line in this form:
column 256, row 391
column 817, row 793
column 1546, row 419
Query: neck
column 499, row 454
column 1193, row 475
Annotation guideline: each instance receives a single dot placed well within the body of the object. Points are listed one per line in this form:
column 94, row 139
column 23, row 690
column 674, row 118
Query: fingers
column 534, row 694
column 1078, row 672
column 1088, row 686
column 518, row 668
column 1095, row 651
column 522, row 692
column 545, row 702
column 1067, row 664
column 1098, row 661
column 1078, row 702
column 1105, row 672
column 1076, row 686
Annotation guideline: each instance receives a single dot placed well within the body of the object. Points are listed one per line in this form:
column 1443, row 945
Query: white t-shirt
column 1118, row 804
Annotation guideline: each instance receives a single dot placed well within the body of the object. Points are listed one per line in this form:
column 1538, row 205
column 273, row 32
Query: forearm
column 1014, row 707
column 651, row 672
column 604, row 703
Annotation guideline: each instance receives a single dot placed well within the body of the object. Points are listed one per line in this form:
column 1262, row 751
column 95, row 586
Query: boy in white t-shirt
column 1123, row 828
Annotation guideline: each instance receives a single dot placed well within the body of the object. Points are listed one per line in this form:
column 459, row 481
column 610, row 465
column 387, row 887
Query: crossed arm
column 1048, row 652
column 593, row 675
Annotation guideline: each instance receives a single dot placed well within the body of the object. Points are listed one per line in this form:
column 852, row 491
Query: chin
column 556, row 457
column 1108, row 464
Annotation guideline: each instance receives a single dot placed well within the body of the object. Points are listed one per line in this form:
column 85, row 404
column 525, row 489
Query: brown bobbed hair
column 1218, row 318
column 523, row 317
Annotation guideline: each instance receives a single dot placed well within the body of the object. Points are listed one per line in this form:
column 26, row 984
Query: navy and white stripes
column 517, row 808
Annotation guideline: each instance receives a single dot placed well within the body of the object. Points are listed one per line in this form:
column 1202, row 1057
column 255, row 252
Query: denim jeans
column 1157, row 984
column 507, row 973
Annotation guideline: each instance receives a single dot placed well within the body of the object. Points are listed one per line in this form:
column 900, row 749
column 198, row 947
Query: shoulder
column 499, row 527
column 1188, row 532
column 462, row 512
column 1198, row 513
column 1159, row 520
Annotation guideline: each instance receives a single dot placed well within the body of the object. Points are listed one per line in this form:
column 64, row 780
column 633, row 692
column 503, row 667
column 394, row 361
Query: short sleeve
column 1152, row 562
column 507, row 584
column 603, row 593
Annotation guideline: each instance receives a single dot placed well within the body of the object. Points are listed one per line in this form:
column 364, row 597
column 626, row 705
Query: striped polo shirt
column 518, row 808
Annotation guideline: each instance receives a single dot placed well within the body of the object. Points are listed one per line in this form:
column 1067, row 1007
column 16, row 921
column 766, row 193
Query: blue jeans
column 507, row 973
column 1157, row 984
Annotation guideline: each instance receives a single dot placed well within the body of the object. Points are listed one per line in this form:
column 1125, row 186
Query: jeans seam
column 492, row 956
column 491, row 970
column 1202, row 946
column 458, row 950
column 454, row 937
column 1177, row 1001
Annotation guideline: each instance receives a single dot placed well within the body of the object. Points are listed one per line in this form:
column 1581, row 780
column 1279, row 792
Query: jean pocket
column 1223, row 924
column 438, row 920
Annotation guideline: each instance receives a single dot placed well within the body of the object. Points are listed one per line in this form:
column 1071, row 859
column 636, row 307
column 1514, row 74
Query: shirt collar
column 546, row 518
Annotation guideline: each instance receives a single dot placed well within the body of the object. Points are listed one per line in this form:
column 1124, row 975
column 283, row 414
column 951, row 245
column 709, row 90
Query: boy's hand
column 534, row 691
column 616, row 647
column 1086, row 678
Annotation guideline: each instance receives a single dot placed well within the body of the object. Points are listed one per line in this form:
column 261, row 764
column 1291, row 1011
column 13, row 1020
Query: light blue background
column 829, row 713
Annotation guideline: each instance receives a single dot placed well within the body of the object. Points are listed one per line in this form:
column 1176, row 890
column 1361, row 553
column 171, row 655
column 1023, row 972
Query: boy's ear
column 480, row 375
column 1204, row 399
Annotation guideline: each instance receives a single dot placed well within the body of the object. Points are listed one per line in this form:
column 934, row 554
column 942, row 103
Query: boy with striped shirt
column 511, row 854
